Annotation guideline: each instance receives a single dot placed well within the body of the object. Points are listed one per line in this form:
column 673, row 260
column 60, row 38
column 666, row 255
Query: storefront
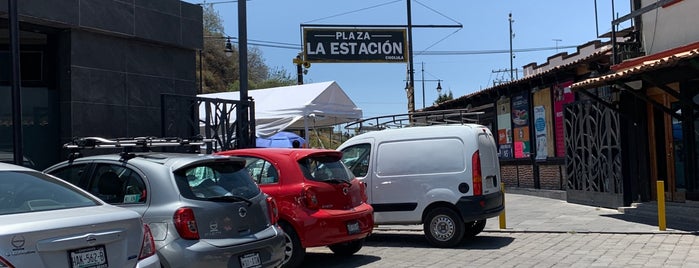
column 666, row 85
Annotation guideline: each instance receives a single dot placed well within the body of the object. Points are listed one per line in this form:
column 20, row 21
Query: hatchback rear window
column 328, row 169
column 216, row 180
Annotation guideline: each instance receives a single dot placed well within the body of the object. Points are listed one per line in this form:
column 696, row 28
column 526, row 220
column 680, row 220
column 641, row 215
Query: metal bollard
column 503, row 223
column 661, row 205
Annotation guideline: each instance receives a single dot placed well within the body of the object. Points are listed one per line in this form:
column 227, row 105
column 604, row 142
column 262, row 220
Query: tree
column 221, row 73
column 444, row 97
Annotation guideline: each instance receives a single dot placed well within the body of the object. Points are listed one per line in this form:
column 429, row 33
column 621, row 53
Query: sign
column 354, row 45
column 540, row 131
column 520, row 120
column 504, row 128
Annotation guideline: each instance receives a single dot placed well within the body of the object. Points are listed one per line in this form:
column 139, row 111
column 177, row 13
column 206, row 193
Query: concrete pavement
column 531, row 213
column 540, row 232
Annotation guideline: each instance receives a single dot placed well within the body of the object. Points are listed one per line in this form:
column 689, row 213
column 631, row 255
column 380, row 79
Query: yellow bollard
column 503, row 222
column 661, row 205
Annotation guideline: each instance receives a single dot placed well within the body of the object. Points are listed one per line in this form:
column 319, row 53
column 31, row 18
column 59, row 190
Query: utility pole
column 512, row 56
column 411, row 72
column 16, row 79
column 242, row 120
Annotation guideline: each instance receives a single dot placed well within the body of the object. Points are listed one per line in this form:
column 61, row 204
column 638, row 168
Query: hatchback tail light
column 477, row 174
column 148, row 246
column 362, row 188
column 309, row 198
column 5, row 264
column 273, row 210
column 186, row 224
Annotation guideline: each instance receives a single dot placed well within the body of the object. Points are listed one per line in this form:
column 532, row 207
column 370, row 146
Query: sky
column 541, row 28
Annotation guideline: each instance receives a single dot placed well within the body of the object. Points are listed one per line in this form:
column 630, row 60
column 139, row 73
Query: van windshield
column 325, row 169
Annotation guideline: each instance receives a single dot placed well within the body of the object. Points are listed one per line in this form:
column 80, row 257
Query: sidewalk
column 530, row 213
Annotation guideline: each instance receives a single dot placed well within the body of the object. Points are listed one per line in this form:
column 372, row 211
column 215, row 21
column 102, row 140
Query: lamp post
column 439, row 87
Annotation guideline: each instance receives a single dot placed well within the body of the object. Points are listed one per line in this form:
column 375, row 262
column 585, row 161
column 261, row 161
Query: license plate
column 353, row 227
column 88, row 257
column 250, row 260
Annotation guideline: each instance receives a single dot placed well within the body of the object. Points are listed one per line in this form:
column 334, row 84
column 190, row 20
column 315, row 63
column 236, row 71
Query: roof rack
column 129, row 144
column 425, row 118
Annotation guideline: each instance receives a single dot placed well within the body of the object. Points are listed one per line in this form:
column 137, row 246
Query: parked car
column 320, row 202
column 47, row 222
column 446, row 178
column 204, row 210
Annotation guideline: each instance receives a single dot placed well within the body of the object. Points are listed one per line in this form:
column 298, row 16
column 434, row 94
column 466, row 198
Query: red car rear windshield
column 328, row 169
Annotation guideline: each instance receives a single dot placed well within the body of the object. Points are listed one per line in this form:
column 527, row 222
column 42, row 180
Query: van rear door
column 490, row 164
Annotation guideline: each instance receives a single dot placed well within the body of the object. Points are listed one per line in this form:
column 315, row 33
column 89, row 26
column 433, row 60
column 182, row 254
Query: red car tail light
column 273, row 210
column 148, row 245
column 5, row 264
column 362, row 188
column 477, row 174
column 186, row 224
column 309, row 198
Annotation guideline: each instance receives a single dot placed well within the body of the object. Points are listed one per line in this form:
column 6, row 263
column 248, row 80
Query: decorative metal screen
column 593, row 150
column 184, row 116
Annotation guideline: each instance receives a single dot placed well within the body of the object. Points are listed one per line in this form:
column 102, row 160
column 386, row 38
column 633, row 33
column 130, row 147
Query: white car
column 47, row 222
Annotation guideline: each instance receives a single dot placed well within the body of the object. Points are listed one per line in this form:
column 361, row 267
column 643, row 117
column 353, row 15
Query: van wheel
column 293, row 251
column 474, row 228
column 347, row 248
column 443, row 227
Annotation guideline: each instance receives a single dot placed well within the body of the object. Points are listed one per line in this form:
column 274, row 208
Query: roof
column 601, row 50
column 641, row 65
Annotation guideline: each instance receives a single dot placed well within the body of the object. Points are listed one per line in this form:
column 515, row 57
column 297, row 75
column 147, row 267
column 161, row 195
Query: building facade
column 95, row 68
column 607, row 125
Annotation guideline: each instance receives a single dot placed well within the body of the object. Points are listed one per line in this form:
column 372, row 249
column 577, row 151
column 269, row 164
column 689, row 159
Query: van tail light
column 186, row 224
column 477, row 174
column 5, row 264
column 148, row 245
column 309, row 198
column 272, row 210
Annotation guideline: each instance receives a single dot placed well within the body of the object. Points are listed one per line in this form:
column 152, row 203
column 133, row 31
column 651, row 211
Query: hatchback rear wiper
column 230, row 198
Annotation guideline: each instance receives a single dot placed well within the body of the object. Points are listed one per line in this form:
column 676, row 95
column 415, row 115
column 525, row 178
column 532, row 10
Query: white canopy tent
column 296, row 107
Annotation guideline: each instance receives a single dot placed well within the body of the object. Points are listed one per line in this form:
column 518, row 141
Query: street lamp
column 229, row 47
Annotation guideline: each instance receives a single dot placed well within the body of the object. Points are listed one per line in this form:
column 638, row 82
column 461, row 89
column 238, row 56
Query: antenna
column 557, row 40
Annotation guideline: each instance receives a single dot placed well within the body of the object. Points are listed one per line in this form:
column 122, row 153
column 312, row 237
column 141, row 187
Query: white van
column 444, row 177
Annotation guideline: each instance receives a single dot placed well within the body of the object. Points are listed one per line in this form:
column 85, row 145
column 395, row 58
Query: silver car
column 46, row 222
column 203, row 210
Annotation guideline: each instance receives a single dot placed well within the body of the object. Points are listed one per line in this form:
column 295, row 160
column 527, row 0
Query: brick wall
column 550, row 177
column 523, row 176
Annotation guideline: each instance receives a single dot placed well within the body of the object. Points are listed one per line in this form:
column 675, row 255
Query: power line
column 285, row 45
column 498, row 51
column 354, row 11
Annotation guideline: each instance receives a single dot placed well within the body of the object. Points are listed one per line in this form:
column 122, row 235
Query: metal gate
column 180, row 117
column 593, row 155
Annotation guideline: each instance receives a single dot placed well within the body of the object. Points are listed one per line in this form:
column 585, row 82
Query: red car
column 320, row 202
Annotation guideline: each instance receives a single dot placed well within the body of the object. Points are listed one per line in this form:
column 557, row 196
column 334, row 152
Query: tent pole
column 305, row 131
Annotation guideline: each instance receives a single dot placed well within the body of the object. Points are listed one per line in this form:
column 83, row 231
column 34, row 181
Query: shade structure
column 282, row 139
column 295, row 107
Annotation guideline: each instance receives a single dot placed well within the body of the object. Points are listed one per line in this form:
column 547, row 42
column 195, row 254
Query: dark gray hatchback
column 203, row 210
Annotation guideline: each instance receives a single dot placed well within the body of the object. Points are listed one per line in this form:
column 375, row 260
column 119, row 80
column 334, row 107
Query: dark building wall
column 171, row 22
column 120, row 82
column 112, row 60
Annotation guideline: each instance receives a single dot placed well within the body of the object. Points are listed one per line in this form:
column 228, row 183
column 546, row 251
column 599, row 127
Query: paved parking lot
column 541, row 232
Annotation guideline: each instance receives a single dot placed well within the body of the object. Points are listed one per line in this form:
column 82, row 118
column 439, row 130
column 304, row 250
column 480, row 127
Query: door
column 666, row 148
